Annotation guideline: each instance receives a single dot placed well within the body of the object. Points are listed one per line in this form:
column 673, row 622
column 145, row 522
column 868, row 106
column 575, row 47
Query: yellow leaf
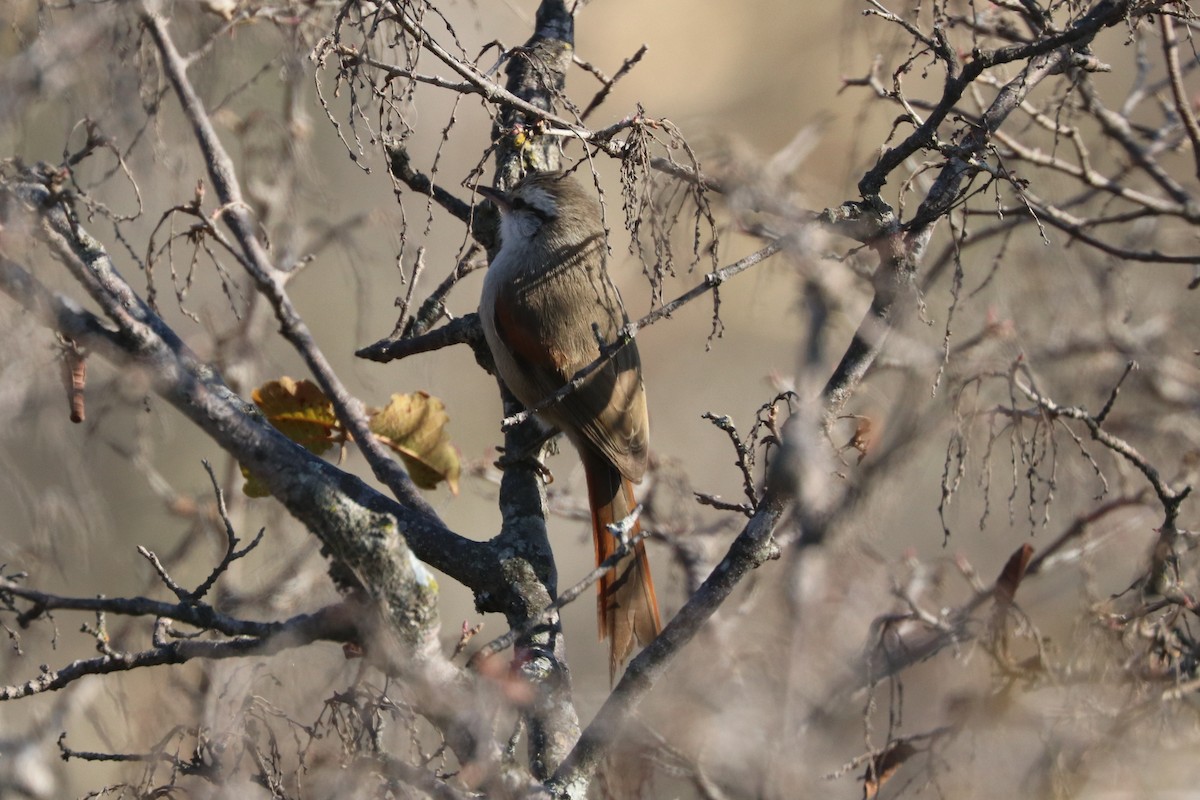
column 253, row 487
column 414, row 425
column 301, row 412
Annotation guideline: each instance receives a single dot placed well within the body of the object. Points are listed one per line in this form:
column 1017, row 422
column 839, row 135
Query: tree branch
column 270, row 280
column 337, row 507
column 252, row 638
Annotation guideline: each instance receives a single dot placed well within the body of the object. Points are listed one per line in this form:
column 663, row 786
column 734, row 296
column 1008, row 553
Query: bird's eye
column 517, row 203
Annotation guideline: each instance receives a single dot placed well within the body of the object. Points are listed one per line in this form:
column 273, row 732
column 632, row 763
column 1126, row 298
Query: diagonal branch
column 360, row 527
column 1103, row 14
column 752, row 548
column 1183, row 103
column 267, row 277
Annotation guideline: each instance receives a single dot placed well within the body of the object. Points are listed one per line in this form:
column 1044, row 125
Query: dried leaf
column 884, row 766
column 414, row 425
column 301, row 412
column 1012, row 574
column 864, row 437
column 253, row 487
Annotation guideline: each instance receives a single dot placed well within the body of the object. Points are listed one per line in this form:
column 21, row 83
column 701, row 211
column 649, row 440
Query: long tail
column 626, row 606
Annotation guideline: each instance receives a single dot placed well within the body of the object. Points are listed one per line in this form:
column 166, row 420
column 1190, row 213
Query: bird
column 547, row 304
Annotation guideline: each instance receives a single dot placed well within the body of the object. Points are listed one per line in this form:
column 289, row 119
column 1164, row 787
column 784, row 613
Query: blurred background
column 758, row 91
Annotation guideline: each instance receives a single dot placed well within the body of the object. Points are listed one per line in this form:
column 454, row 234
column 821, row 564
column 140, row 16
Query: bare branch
column 629, row 331
column 502, row 643
column 268, row 278
column 1183, row 103
column 249, row 638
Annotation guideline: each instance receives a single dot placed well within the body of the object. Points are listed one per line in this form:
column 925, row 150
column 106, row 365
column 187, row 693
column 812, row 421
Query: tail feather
column 626, row 606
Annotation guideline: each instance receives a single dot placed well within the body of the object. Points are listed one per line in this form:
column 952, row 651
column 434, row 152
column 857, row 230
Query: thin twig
column 629, row 331
column 250, row 638
column 268, row 279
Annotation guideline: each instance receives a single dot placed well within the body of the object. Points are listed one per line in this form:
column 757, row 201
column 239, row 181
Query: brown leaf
column 883, row 766
column 864, row 437
column 74, row 369
column 1012, row 574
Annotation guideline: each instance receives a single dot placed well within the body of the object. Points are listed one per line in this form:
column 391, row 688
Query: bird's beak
column 496, row 196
